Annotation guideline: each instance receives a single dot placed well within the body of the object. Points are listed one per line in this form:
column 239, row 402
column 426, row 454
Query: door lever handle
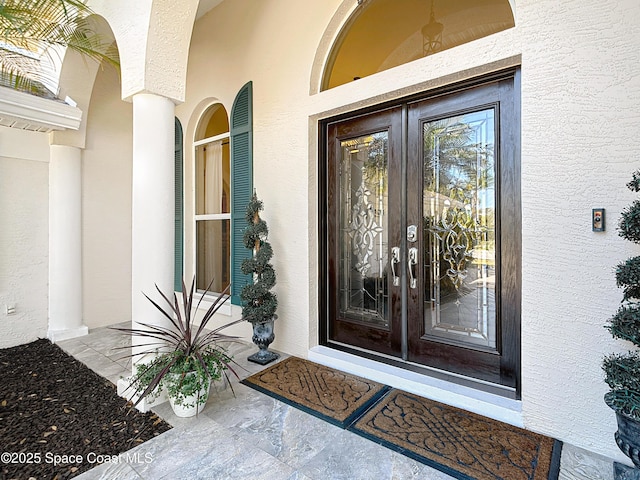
column 395, row 259
column 412, row 261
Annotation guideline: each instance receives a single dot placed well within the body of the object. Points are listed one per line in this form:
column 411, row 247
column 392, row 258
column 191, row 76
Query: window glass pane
column 213, row 176
column 404, row 27
column 363, row 224
column 459, row 208
column 213, row 253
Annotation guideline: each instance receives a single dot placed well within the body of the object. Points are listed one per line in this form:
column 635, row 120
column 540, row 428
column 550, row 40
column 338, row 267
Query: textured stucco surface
column 23, row 236
column 153, row 39
column 106, row 206
column 580, row 104
column 273, row 45
column 580, row 101
column 580, row 97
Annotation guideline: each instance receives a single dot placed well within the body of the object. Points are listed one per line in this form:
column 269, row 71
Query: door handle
column 412, row 261
column 395, row 258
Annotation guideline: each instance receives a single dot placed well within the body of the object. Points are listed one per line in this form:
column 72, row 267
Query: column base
column 58, row 335
column 145, row 404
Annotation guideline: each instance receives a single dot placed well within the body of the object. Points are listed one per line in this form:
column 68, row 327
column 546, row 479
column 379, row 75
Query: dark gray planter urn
column 263, row 336
column 628, row 434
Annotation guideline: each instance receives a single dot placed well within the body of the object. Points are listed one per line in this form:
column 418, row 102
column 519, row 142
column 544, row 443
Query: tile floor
column 254, row 437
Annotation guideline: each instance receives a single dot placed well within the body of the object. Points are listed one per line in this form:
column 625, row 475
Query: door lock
column 412, row 233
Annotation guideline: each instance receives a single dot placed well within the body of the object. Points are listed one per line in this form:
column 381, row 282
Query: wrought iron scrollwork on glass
column 363, row 223
column 459, row 223
column 363, row 229
column 458, row 233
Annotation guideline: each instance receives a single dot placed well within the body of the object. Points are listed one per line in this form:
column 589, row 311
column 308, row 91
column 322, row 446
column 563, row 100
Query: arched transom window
column 383, row 34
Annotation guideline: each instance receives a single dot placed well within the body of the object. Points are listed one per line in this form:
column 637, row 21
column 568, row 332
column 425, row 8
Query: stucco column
column 153, row 200
column 65, row 243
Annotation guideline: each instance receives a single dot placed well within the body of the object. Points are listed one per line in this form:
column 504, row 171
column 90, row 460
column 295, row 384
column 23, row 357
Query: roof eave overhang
column 30, row 112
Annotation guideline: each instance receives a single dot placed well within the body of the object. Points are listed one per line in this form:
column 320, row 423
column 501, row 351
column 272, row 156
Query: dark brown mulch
column 54, row 409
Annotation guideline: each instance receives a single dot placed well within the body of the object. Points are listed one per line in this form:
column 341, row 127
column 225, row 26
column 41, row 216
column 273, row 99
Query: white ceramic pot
column 190, row 405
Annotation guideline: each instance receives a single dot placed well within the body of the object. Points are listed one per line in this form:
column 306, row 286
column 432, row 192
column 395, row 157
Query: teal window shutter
column 179, row 210
column 241, row 133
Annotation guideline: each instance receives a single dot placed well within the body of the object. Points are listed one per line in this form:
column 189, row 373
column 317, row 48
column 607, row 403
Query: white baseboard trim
column 483, row 403
column 59, row 335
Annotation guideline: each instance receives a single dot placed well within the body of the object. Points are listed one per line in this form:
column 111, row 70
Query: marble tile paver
column 251, row 436
column 180, row 446
column 285, row 432
column 111, row 471
column 234, row 459
column 351, row 457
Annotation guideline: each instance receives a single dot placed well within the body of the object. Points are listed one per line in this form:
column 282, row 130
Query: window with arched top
column 223, row 178
column 382, row 34
column 212, row 197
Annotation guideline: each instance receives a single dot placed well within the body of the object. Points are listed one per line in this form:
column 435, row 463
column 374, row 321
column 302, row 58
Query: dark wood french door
column 422, row 234
column 364, row 188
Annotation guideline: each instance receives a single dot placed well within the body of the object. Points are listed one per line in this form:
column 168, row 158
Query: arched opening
column 212, row 199
column 214, row 121
column 106, row 139
column 383, row 34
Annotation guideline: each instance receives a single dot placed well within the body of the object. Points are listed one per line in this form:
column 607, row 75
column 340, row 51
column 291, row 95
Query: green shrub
column 622, row 371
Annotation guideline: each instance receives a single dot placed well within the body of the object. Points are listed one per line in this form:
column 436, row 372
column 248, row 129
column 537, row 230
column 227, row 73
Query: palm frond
column 33, row 28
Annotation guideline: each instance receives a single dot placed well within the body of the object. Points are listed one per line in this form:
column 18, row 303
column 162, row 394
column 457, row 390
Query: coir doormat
column 460, row 443
column 334, row 396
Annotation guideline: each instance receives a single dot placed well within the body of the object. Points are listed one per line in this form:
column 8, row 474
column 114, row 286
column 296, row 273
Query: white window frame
column 210, row 297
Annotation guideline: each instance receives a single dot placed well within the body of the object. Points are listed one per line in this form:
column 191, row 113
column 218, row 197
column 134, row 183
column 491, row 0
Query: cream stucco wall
column 580, row 97
column 24, row 223
column 580, row 103
column 106, row 205
column 263, row 48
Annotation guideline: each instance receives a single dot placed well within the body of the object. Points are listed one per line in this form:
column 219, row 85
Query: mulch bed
column 54, row 409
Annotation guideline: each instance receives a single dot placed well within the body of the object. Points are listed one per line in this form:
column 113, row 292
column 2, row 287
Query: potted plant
column 622, row 371
column 185, row 358
column 258, row 302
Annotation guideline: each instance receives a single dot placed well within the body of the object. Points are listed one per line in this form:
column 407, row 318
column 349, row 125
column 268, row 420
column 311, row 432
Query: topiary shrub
column 258, row 302
column 622, row 371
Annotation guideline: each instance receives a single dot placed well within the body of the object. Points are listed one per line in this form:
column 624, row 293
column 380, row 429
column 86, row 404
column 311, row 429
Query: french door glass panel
column 422, row 235
column 459, row 228
column 363, row 229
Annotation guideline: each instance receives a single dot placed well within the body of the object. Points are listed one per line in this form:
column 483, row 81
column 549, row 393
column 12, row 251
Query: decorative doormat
column 58, row 418
column 459, row 443
column 462, row 444
column 334, row 396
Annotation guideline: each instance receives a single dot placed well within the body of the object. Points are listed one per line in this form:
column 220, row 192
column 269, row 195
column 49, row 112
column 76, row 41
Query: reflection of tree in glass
column 458, row 167
column 374, row 170
column 458, row 162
